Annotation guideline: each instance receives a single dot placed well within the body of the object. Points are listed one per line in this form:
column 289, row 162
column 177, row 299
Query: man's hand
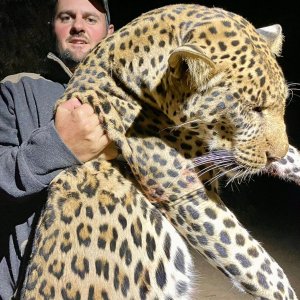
column 80, row 129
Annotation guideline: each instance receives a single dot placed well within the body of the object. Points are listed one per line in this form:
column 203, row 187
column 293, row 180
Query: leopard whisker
column 213, row 157
column 292, row 84
column 175, row 127
column 292, row 87
column 212, row 167
column 212, row 161
column 223, row 173
column 246, row 175
column 292, row 94
column 239, row 171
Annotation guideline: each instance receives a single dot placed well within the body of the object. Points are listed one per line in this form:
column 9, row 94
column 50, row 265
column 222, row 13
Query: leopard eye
column 258, row 109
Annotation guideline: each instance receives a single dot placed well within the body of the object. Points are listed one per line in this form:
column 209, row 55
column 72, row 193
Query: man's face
column 78, row 26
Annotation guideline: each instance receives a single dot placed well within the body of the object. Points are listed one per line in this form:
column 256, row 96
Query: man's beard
column 68, row 58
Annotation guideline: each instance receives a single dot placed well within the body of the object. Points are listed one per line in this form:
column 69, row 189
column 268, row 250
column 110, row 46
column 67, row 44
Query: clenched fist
column 80, row 129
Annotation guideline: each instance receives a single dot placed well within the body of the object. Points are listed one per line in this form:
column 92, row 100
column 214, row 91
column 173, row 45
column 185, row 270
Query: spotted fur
column 288, row 168
column 188, row 94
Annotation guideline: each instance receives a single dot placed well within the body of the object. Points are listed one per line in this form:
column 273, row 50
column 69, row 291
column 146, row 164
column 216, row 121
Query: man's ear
column 110, row 29
column 188, row 62
column 273, row 36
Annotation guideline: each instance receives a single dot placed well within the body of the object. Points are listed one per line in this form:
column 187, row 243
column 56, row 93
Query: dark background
column 24, row 42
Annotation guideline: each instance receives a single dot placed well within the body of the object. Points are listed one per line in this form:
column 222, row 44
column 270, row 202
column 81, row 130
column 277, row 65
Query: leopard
column 189, row 95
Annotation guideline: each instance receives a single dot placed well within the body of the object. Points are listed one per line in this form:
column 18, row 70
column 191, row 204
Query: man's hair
column 104, row 4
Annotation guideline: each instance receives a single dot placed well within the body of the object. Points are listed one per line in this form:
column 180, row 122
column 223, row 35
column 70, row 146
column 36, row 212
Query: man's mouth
column 78, row 41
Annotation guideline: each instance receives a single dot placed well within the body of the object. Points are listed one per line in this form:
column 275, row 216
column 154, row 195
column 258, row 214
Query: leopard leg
column 213, row 230
column 100, row 238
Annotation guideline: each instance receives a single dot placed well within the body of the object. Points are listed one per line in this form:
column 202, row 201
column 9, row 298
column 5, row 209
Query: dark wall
column 24, row 41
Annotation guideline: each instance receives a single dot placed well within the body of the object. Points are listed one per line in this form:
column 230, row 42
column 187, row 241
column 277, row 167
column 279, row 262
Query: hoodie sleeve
column 28, row 167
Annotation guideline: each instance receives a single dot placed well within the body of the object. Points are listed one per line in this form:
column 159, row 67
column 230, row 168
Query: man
column 34, row 145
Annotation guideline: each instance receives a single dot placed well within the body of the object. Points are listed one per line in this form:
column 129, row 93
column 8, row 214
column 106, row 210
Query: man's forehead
column 76, row 5
column 97, row 5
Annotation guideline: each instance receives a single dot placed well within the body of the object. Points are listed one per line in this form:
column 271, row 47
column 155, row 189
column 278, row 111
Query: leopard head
column 232, row 92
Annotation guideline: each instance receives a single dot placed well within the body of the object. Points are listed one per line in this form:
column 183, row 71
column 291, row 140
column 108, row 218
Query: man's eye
column 91, row 20
column 65, row 18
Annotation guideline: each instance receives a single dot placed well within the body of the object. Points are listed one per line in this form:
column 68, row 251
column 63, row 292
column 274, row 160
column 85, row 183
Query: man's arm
column 28, row 166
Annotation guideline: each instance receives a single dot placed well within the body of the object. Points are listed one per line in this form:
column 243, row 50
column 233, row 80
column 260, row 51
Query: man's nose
column 77, row 25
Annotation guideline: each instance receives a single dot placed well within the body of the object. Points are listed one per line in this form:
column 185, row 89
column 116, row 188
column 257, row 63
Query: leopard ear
column 188, row 62
column 273, row 36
